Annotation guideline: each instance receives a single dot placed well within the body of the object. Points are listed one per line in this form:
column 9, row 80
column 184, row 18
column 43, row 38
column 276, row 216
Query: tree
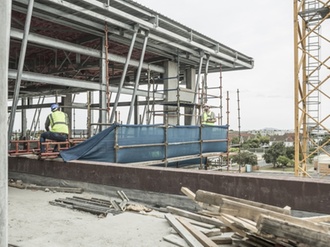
column 251, row 143
column 283, row 160
column 235, row 141
column 264, row 140
column 290, row 152
column 244, row 158
column 273, row 152
column 325, row 140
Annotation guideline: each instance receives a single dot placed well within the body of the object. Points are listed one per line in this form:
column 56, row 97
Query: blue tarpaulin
column 136, row 143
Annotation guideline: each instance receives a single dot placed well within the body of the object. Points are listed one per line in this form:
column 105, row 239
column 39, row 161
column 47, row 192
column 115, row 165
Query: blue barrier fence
column 139, row 143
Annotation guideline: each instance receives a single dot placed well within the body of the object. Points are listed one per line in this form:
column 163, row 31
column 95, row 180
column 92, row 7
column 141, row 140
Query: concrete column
column 190, row 84
column 170, row 86
column 5, row 17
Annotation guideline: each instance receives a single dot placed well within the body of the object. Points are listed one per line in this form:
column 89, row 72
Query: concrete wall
column 311, row 195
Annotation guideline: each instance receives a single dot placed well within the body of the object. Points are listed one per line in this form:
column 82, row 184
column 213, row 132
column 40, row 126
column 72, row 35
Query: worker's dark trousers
column 51, row 136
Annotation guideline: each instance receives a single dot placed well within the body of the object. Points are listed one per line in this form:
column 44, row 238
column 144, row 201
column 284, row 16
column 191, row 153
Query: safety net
column 136, row 143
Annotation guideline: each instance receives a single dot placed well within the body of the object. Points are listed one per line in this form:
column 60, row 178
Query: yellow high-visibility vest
column 206, row 116
column 59, row 122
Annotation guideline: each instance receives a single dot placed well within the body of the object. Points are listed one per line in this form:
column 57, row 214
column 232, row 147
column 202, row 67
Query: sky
column 262, row 30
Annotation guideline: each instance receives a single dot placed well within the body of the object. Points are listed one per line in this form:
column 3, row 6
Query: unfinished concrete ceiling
column 66, row 45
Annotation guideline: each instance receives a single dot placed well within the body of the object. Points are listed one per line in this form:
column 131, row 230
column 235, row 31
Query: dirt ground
column 34, row 222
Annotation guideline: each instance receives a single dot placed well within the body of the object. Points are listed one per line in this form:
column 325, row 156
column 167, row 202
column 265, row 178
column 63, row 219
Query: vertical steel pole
column 5, row 18
column 296, row 91
column 221, row 106
column 138, row 74
column 128, row 58
column 205, row 79
column 196, row 87
column 228, row 107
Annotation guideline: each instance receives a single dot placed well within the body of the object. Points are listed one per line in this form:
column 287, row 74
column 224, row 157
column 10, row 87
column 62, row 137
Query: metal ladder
column 313, row 17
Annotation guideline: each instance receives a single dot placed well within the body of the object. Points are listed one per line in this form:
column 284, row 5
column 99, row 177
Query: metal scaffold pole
column 5, row 17
column 220, row 94
column 107, row 71
column 239, row 126
column 227, row 125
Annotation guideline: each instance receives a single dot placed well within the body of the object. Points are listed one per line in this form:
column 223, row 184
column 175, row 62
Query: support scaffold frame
column 310, row 78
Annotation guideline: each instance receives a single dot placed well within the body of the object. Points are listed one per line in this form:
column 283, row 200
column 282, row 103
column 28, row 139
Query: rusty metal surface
column 305, row 194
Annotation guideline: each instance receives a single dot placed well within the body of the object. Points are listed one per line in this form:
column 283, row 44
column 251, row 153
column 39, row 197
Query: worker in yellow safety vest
column 59, row 123
column 208, row 117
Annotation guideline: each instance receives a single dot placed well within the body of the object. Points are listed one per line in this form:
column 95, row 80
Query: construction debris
column 100, row 207
column 20, row 185
column 219, row 221
column 229, row 221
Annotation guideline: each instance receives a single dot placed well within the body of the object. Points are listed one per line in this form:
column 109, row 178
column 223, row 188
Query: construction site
column 146, row 148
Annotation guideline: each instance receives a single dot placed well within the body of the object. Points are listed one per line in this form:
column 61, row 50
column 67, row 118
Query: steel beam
column 61, row 81
column 79, row 49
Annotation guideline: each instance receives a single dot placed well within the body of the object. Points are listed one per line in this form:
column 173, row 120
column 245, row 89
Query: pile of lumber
column 228, row 221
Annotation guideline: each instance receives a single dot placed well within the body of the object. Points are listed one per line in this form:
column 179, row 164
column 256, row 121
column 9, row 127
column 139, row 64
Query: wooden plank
column 182, row 231
column 206, row 242
column 188, row 193
column 241, row 224
column 176, row 240
column 212, row 232
column 289, row 230
column 229, row 223
column 318, row 219
column 216, row 199
column 253, row 213
column 194, row 216
column 247, row 221
column 223, row 239
column 262, row 241
column 209, row 207
column 201, row 224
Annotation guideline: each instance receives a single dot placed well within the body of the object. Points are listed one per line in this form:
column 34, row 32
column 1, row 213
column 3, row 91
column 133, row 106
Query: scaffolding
column 311, row 75
column 115, row 50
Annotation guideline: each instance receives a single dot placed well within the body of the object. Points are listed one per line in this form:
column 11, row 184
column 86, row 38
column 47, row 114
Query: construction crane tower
column 311, row 76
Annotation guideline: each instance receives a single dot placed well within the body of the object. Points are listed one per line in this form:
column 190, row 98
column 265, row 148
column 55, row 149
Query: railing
column 52, row 148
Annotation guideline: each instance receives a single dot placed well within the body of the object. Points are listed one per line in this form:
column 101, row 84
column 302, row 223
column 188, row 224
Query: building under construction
column 138, row 68
column 131, row 56
column 135, row 65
